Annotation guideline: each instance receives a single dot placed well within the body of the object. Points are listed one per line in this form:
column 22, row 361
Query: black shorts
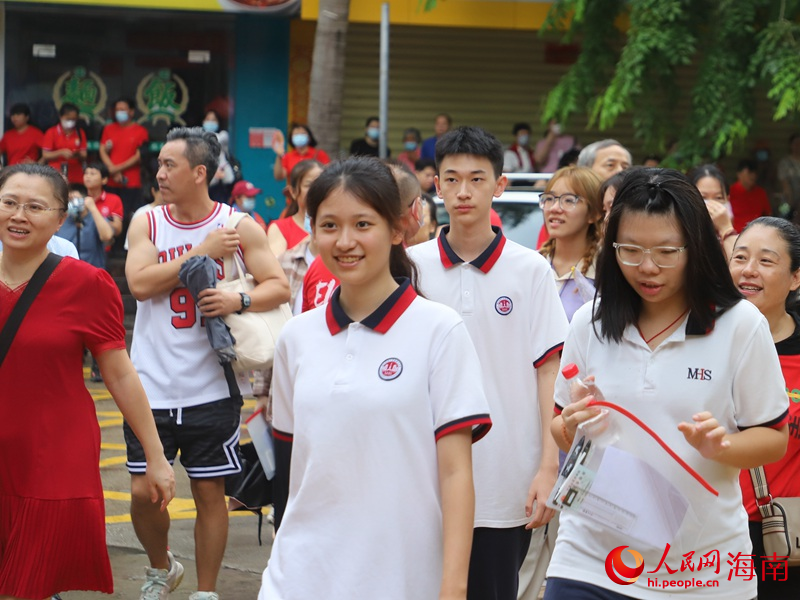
column 206, row 435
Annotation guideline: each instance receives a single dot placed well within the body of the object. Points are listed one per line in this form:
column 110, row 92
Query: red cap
column 244, row 188
column 570, row 371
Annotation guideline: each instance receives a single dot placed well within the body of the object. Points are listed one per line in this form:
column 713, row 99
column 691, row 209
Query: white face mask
column 122, row 116
column 249, row 204
column 523, row 139
column 211, row 126
column 68, row 123
column 307, row 223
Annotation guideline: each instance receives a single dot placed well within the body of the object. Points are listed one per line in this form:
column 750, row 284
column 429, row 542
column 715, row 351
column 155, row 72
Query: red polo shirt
column 125, row 141
column 109, row 205
column 291, row 158
column 748, row 204
column 56, row 139
column 21, row 146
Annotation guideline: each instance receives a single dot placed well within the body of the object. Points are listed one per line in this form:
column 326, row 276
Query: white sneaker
column 160, row 582
column 204, row 596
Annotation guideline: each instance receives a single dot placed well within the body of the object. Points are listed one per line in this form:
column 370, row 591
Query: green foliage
column 426, row 5
column 738, row 46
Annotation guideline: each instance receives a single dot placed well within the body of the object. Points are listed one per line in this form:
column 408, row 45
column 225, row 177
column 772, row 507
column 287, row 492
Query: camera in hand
column 75, row 208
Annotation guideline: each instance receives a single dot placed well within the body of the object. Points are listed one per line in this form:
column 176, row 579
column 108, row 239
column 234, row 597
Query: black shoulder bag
column 24, row 303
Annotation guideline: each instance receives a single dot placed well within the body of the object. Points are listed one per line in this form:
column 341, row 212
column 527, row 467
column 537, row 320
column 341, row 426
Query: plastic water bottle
column 578, row 385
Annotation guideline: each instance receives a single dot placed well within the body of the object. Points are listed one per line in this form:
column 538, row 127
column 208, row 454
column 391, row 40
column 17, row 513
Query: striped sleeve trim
column 557, row 409
column 776, row 423
column 541, row 360
column 481, row 424
column 282, row 435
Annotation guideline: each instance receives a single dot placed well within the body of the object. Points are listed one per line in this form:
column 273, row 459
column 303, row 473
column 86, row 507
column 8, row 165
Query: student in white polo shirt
column 506, row 295
column 672, row 341
column 377, row 398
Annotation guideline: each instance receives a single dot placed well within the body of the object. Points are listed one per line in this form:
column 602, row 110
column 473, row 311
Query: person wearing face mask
column 412, row 139
column 368, row 145
column 221, row 185
column 519, row 157
column 304, row 147
column 120, row 147
column 243, row 197
column 64, row 145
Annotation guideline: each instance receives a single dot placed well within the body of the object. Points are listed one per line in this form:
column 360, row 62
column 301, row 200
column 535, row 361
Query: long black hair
column 372, row 182
column 790, row 234
column 708, row 284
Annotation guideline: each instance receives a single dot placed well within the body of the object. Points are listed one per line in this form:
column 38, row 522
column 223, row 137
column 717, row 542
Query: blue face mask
column 300, row 140
column 307, row 223
column 122, row 116
column 523, row 139
column 249, row 204
column 373, row 133
column 410, row 146
column 211, row 126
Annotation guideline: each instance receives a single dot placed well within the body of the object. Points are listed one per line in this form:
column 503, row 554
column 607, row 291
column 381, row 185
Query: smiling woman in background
column 52, row 529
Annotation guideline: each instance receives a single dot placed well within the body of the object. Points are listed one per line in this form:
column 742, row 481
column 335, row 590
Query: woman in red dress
column 52, row 529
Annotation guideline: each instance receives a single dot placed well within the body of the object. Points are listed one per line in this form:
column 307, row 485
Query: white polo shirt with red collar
column 509, row 303
column 364, row 405
column 731, row 371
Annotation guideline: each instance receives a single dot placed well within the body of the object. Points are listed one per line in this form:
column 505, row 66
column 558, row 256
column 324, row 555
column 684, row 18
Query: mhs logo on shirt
column 699, row 374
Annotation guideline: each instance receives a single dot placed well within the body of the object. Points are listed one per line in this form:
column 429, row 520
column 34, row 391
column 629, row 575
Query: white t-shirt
column 509, row 303
column 733, row 372
column 60, row 246
column 364, row 404
column 170, row 348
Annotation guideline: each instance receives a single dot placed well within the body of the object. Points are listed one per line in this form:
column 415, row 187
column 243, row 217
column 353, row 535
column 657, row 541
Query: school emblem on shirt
column 390, row 369
column 503, row 305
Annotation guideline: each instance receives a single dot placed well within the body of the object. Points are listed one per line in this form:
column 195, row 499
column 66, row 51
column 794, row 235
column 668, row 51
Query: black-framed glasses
column 565, row 201
column 32, row 209
column 665, row 257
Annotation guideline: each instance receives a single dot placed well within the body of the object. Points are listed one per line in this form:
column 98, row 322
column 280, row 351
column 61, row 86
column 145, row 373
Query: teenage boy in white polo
column 506, row 296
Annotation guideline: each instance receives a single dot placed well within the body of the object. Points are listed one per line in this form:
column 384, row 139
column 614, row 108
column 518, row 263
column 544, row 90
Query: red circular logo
column 615, row 565
column 503, row 305
column 390, row 369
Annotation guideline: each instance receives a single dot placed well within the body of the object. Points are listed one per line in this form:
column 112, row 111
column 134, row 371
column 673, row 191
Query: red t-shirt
column 783, row 476
column 748, row 204
column 318, row 285
column 21, row 146
column 109, row 205
column 291, row 158
column 56, row 139
column 125, row 141
column 291, row 231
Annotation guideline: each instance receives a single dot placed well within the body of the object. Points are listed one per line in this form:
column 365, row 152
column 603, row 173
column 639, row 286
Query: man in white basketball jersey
column 196, row 402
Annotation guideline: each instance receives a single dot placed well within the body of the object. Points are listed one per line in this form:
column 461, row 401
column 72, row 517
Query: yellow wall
column 164, row 4
column 486, row 14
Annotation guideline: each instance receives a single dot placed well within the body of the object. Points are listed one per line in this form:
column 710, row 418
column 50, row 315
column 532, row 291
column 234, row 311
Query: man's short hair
column 202, row 148
column 68, row 107
column 747, row 163
column 521, row 127
column 588, row 155
column 97, row 166
column 20, row 108
column 126, row 100
column 370, row 120
column 423, row 163
column 474, row 141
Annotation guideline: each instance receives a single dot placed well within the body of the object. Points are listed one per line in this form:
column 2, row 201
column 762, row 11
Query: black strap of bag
column 24, row 303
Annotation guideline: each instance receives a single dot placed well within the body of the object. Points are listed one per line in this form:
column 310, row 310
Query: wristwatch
column 245, row 303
